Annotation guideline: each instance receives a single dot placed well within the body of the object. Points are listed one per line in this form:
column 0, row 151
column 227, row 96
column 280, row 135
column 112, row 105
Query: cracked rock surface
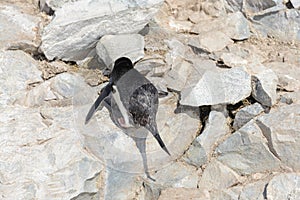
column 228, row 78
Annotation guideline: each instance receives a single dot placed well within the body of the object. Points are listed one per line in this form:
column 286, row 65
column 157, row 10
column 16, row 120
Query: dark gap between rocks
column 233, row 108
column 289, row 5
column 45, row 8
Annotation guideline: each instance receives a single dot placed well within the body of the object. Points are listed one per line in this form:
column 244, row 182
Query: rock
column 233, row 60
column 247, row 113
column 177, row 175
column 288, row 75
column 18, row 27
column 62, row 88
column 181, row 26
column 183, row 193
column 254, row 190
column 47, row 161
column 234, row 25
column 295, row 3
column 268, row 23
column 177, row 77
column 246, row 151
column 250, row 7
column 211, row 41
column 18, row 72
column 284, row 186
column 281, row 128
column 148, row 67
column 61, row 38
column 217, row 176
column 226, row 194
column 218, row 88
column 121, row 185
column 49, row 70
column 264, row 85
column 202, row 147
column 111, row 47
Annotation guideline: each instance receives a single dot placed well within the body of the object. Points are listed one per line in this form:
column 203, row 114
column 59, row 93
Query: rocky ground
column 231, row 119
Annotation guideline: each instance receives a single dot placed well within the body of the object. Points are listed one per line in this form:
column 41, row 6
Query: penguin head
column 121, row 66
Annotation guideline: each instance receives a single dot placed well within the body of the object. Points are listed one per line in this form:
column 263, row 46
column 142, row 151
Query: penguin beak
column 104, row 93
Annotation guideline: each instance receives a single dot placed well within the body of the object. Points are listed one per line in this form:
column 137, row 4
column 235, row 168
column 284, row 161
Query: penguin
column 134, row 99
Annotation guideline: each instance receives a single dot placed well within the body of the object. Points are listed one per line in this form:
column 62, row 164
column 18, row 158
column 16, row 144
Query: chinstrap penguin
column 134, row 99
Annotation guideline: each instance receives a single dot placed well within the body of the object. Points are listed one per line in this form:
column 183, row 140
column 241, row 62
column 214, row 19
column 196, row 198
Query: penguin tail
column 161, row 143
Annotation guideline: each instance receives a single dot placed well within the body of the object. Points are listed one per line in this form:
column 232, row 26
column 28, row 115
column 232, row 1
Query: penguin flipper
column 104, row 93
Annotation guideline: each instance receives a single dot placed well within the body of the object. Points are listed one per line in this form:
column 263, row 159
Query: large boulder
column 218, row 87
column 77, row 26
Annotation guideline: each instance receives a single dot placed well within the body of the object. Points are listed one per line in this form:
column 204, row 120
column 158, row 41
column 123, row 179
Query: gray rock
column 234, row 25
column 177, row 175
column 17, row 27
column 217, row 176
column 233, row 60
column 226, row 194
column 111, row 47
column 218, row 88
column 281, row 128
column 202, row 147
column 61, row 38
column 284, row 186
column 177, row 77
column 288, row 75
column 18, row 72
column 47, row 161
column 250, row 6
column 295, row 3
column 121, row 185
column 62, row 88
column 268, row 23
column 211, row 41
column 247, row 113
column 149, row 66
column 254, row 190
column 246, row 151
column 264, row 85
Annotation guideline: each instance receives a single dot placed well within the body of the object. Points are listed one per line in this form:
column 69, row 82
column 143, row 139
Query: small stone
column 264, row 85
column 177, row 77
column 233, row 60
column 247, row 113
column 284, row 186
column 111, row 47
column 211, row 41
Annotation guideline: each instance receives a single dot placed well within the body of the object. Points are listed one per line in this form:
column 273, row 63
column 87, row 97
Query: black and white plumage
column 134, row 99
